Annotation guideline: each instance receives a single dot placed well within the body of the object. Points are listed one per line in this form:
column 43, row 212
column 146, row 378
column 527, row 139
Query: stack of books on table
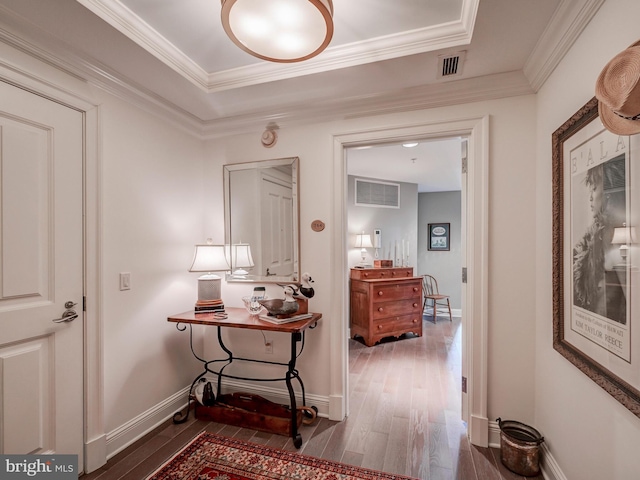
column 280, row 321
column 209, row 306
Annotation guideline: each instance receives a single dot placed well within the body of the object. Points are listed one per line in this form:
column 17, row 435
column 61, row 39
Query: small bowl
column 254, row 308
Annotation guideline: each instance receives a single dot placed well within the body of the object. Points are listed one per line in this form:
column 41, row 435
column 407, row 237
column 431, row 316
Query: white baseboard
column 123, row 436
column 550, row 468
column 277, row 395
column 548, row 465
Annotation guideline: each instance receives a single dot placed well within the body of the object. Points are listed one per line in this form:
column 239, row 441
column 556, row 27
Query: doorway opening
column 473, row 257
column 397, row 192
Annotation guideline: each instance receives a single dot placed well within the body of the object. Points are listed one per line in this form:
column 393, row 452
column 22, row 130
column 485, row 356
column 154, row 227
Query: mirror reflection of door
column 276, row 216
column 261, row 213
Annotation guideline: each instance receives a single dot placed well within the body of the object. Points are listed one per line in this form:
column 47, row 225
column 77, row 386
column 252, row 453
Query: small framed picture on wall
column 439, row 236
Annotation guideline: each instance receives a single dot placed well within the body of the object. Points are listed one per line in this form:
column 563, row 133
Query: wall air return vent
column 377, row 194
column 451, row 65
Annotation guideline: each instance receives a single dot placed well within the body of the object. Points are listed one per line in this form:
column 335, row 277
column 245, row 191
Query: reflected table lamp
column 209, row 258
column 241, row 259
column 624, row 236
column 363, row 241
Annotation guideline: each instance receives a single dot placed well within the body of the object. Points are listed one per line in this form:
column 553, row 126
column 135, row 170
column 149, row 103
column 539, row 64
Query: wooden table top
column 240, row 318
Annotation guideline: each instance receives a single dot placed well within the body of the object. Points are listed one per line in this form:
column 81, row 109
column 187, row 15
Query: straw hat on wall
column 618, row 92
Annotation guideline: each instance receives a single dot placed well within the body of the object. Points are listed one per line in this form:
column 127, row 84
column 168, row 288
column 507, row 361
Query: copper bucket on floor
column 520, row 447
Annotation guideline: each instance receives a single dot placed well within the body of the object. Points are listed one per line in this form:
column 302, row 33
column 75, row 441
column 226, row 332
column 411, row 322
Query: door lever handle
column 67, row 316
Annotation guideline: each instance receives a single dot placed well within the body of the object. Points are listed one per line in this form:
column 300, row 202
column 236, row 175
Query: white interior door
column 41, row 270
column 277, row 227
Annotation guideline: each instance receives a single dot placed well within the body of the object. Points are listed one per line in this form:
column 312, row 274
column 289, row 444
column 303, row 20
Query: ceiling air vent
column 377, row 194
column 451, row 65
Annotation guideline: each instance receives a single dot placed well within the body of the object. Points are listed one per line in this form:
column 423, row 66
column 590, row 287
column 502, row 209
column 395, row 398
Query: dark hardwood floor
column 404, row 418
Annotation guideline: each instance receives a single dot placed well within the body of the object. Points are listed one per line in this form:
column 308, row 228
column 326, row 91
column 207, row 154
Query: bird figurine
column 278, row 306
column 305, row 288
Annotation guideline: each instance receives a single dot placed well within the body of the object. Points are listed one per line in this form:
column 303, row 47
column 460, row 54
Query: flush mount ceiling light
column 283, row 31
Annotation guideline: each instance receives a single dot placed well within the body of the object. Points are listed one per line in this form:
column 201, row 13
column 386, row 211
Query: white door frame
column 95, row 439
column 475, row 322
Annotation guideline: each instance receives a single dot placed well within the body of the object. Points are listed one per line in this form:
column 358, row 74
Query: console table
column 385, row 302
column 240, row 318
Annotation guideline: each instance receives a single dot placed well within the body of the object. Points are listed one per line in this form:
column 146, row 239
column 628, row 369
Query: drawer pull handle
column 415, row 289
column 379, row 327
column 415, row 305
column 380, row 309
column 415, row 320
column 380, row 293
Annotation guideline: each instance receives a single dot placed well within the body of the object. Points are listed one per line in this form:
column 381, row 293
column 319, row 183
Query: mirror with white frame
column 261, row 220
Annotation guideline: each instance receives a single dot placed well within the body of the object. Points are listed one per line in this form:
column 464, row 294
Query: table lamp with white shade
column 241, row 259
column 624, row 236
column 209, row 258
column 363, row 241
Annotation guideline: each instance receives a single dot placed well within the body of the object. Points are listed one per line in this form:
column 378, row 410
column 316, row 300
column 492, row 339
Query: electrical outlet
column 268, row 347
column 125, row 281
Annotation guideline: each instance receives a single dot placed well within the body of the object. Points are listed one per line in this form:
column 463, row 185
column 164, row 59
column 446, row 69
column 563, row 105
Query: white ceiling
column 435, row 165
column 173, row 56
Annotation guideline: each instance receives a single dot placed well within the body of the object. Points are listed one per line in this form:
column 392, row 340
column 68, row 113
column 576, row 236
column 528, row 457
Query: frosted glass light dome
column 279, row 30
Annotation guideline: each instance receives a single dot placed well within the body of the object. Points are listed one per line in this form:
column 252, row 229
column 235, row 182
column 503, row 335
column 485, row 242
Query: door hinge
column 464, row 274
column 464, row 384
column 84, row 304
column 464, row 165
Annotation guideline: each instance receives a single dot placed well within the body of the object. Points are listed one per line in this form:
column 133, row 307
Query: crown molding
column 443, row 94
column 568, row 21
column 422, row 40
column 457, row 92
column 417, row 98
column 133, row 27
column 68, row 60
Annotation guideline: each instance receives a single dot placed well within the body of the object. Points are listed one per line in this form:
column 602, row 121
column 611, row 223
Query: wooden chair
column 433, row 298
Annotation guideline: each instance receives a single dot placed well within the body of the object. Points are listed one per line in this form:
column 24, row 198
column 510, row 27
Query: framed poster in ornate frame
column 596, row 259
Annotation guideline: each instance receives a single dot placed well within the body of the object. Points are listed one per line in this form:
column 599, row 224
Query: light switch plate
column 125, row 281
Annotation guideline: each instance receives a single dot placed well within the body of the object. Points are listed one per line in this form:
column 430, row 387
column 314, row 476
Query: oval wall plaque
column 317, row 225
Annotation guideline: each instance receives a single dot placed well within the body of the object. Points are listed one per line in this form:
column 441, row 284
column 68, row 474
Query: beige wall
column 152, row 206
column 511, row 197
column 590, row 434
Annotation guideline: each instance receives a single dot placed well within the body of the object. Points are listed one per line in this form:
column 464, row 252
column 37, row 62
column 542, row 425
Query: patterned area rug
column 213, row 457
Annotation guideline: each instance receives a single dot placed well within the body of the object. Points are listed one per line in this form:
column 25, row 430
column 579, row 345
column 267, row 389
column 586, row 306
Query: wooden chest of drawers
column 385, row 302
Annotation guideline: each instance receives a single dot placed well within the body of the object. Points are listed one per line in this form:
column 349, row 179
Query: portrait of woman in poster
column 593, row 253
